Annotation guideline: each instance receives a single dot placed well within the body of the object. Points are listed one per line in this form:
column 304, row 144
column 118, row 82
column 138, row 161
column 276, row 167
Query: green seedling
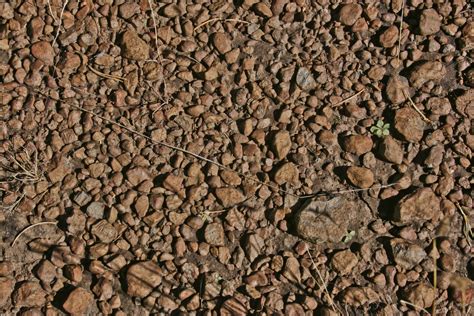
column 380, row 129
column 348, row 237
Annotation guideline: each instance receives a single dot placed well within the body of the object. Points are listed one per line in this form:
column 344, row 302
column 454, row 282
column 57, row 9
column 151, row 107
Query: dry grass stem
column 60, row 22
column 221, row 166
column 467, row 229
column 400, row 31
column 415, row 306
column 101, row 74
column 51, row 12
column 323, row 284
column 427, row 120
column 218, row 19
column 28, row 228
column 349, row 98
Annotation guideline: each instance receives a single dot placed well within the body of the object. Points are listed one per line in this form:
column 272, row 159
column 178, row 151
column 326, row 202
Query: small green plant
column 380, row 129
column 349, row 235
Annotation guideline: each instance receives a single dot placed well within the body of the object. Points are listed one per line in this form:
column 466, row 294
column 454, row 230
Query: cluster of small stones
column 263, row 88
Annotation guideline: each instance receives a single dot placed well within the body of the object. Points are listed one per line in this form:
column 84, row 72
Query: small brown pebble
column 360, row 177
column 79, row 301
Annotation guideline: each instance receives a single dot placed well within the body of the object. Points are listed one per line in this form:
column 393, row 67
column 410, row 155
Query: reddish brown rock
column 43, row 51
column 78, row 302
column 360, row 177
column 229, row 197
column 420, row 294
column 357, row 144
column 422, row 204
column 409, row 124
column 142, row 278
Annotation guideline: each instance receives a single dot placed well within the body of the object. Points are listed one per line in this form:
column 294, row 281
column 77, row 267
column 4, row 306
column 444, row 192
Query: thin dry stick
column 349, row 98
column 467, row 229
column 60, row 22
column 28, row 228
column 51, row 12
column 254, row 179
column 427, row 120
column 400, row 31
column 323, row 283
column 101, row 74
column 218, row 19
column 415, row 306
column 435, row 275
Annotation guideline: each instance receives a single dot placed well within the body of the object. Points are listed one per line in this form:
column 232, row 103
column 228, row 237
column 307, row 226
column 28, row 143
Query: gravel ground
column 236, row 157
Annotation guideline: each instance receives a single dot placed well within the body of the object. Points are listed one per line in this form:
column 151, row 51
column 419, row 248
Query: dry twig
column 323, row 284
column 60, row 22
column 349, row 98
column 101, row 74
column 28, row 228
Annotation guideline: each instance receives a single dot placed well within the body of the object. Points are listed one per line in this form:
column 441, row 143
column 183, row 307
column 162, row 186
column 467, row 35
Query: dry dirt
column 236, row 157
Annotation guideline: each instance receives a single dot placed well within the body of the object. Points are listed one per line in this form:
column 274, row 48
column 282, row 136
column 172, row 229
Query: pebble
column 104, row 231
column 281, row 144
column 253, row 246
column 360, row 177
column 462, row 289
column 171, row 10
column 291, row 271
column 406, row 254
column 233, row 307
column 389, row 37
column 391, row 150
column 357, row 144
column 320, row 221
column 142, row 278
column 422, row 204
column 79, row 302
column 222, row 42
column 427, row 71
column 286, row 173
column 430, row 22
column 29, row 294
column 344, row 261
column 214, row 234
column 420, row 294
column 6, row 289
column 229, row 197
column 44, row 52
column 263, row 10
column 96, row 210
column 133, row 47
column 46, row 271
column 397, row 89
column 359, row 296
column 409, row 124
column 137, row 175
column 349, row 13
column 305, row 79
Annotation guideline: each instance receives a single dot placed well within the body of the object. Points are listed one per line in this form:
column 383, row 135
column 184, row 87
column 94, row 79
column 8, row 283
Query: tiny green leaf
column 385, row 132
column 386, row 126
column 379, row 123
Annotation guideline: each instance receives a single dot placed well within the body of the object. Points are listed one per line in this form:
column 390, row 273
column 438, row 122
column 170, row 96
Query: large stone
column 409, row 124
column 428, row 70
column 397, row 89
column 79, row 302
column 281, row 144
column 430, row 22
column 142, row 278
column 133, row 47
column 405, row 253
column 422, row 204
column 229, row 197
column 329, row 221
